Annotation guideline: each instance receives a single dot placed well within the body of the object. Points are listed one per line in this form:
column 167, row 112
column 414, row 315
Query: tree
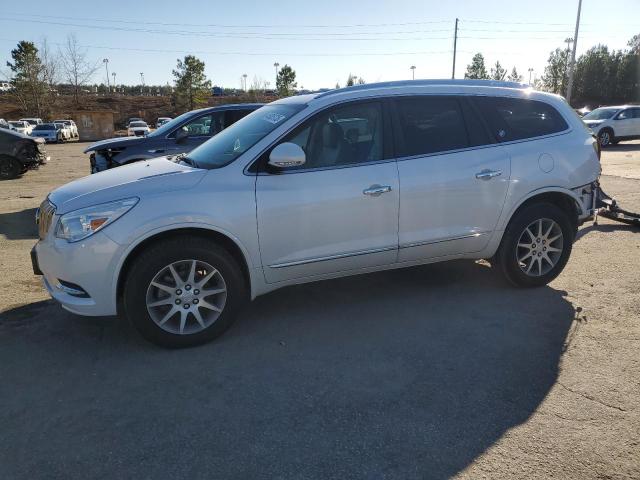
column 634, row 45
column 476, row 69
column 286, row 81
column 514, row 76
column 354, row 80
column 28, row 78
column 192, row 88
column 498, row 72
column 555, row 73
column 76, row 67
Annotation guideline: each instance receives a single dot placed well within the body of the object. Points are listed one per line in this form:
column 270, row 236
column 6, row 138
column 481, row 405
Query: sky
column 323, row 41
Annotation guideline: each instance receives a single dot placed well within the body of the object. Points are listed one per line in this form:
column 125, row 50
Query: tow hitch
column 608, row 207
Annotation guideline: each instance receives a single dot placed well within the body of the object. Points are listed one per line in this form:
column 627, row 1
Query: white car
column 614, row 124
column 318, row 186
column 162, row 120
column 32, row 121
column 138, row 128
column 71, row 125
column 50, row 132
column 21, row 126
column 64, row 130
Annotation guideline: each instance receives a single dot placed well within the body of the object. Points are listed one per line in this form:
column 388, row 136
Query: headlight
column 80, row 224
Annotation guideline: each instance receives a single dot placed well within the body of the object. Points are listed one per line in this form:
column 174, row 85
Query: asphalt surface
column 431, row 372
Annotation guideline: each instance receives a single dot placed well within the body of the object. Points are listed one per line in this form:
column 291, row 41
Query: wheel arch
column 220, row 238
column 562, row 198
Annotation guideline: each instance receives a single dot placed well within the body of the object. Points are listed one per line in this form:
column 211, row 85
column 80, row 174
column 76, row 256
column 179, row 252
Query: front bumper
column 89, row 264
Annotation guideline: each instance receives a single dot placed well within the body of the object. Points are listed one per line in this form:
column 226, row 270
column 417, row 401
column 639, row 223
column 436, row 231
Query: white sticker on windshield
column 274, row 117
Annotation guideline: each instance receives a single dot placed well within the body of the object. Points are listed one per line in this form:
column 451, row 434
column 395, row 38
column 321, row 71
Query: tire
column 526, row 266
column 10, row 168
column 605, row 137
column 149, row 308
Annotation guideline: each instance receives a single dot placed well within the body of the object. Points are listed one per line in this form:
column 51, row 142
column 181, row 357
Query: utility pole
column 455, row 48
column 413, row 72
column 530, row 72
column 276, row 65
column 106, row 66
column 244, row 75
column 142, row 80
column 113, row 74
column 573, row 54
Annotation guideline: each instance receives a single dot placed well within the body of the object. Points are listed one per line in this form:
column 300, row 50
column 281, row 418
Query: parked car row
column 56, row 131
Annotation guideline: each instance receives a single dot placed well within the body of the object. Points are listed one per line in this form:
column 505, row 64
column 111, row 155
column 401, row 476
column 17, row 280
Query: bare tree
column 75, row 65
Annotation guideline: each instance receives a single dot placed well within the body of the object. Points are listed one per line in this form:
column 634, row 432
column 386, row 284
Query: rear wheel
column 183, row 292
column 9, row 168
column 536, row 245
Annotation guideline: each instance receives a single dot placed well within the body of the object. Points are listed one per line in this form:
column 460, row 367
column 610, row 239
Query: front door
column 339, row 211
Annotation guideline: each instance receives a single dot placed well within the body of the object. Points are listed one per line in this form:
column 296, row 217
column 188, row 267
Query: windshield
column 137, row 124
column 17, row 124
column 167, row 127
column 45, row 126
column 232, row 142
column 600, row 114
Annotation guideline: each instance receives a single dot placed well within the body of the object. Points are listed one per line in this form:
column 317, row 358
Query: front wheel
column 9, row 168
column 605, row 137
column 536, row 245
column 183, row 292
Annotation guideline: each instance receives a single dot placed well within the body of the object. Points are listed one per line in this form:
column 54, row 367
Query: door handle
column 488, row 174
column 376, row 190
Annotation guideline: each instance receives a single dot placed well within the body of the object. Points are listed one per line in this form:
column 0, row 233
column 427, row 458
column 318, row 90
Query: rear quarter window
column 518, row 118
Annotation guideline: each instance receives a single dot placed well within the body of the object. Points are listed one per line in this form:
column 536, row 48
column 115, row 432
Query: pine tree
column 476, row 69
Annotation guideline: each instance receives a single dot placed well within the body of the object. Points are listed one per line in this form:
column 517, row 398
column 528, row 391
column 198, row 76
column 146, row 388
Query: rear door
column 453, row 177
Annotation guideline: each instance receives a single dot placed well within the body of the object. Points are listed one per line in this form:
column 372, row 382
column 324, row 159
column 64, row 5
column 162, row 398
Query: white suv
column 613, row 124
column 319, row 186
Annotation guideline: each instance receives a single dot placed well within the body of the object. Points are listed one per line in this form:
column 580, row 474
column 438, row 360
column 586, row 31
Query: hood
column 134, row 180
column 113, row 143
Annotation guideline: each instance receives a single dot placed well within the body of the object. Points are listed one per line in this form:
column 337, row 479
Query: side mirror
column 181, row 135
column 287, row 155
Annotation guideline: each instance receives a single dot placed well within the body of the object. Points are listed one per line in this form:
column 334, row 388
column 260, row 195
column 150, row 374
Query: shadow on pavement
column 19, row 225
column 402, row 374
column 605, row 227
column 623, row 147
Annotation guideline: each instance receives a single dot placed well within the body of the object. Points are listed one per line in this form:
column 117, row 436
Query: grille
column 45, row 215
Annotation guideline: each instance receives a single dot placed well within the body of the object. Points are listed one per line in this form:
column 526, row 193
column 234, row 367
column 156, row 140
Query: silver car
column 313, row 187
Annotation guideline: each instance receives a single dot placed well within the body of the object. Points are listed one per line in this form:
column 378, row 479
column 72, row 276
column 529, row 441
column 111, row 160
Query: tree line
column 601, row 77
column 38, row 75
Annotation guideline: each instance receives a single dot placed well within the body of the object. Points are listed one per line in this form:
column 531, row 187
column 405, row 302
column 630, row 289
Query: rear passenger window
column 518, row 118
column 430, row 125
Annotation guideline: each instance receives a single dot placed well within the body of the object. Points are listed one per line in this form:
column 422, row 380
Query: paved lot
column 431, row 372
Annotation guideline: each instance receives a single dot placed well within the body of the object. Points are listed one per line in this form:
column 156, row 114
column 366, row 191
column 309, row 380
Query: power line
column 283, row 54
column 140, row 22
column 249, row 36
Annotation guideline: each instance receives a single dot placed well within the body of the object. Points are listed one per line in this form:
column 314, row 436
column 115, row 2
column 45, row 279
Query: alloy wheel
column 540, row 247
column 186, row 297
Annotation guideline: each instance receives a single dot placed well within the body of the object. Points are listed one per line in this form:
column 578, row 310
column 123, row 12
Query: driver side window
column 204, row 126
column 343, row 135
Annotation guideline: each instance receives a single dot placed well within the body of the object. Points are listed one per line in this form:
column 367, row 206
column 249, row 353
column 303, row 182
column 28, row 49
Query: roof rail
column 417, row 83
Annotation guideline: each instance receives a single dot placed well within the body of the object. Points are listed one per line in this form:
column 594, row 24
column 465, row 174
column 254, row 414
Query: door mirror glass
column 287, row 155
